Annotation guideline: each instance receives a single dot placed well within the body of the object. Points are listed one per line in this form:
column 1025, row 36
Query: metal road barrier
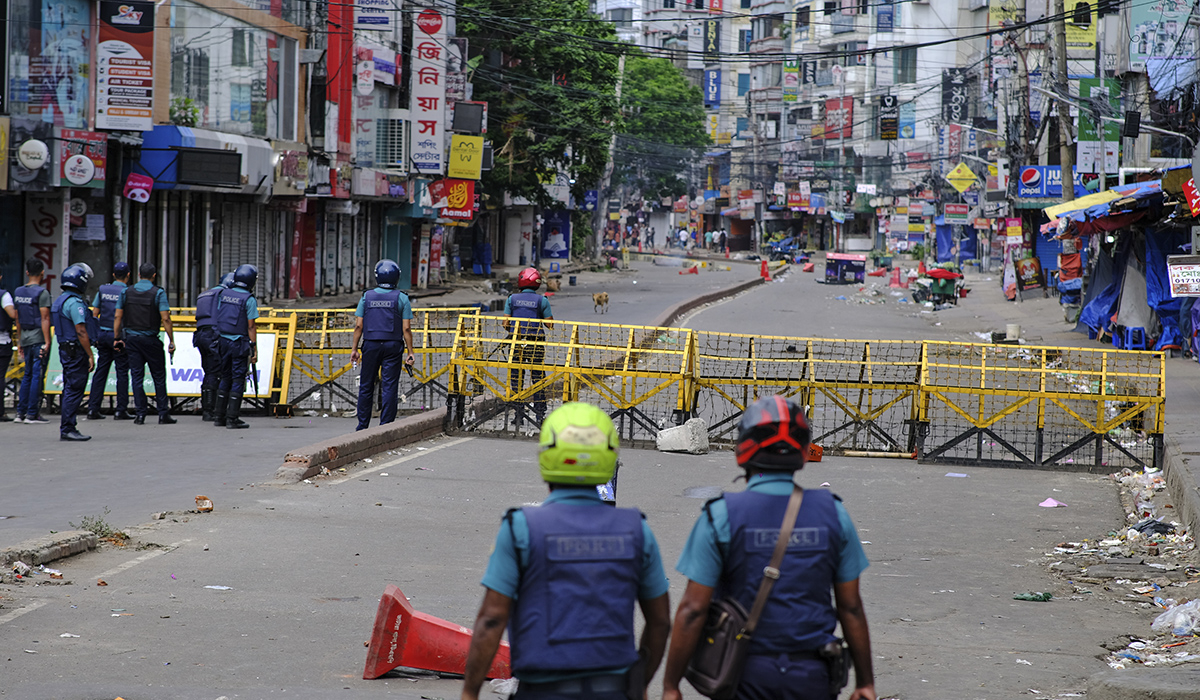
column 960, row 403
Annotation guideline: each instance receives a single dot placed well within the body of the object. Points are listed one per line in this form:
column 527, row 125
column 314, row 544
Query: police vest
column 380, row 315
column 140, row 310
column 527, row 305
column 108, row 296
column 231, row 312
column 205, row 307
column 574, row 608
column 799, row 615
column 29, row 315
column 64, row 328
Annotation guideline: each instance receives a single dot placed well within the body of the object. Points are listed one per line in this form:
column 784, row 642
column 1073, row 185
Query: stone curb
column 1184, row 485
column 1145, row 684
column 42, row 550
column 306, row 462
column 673, row 313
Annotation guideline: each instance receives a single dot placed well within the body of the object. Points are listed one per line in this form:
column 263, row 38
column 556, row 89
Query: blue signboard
column 885, row 17
column 1045, row 181
column 712, row 88
column 556, row 234
column 591, row 200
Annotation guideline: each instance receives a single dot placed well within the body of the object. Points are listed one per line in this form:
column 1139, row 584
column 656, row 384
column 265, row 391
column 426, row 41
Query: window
column 804, row 113
column 803, row 17
column 906, row 65
column 698, row 4
column 1082, row 16
column 668, row 4
column 743, row 83
column 743, row 125
column 831, row 7
column 745, row 4
column 239, row 102
column 745, row 36
column 864, row 7
column 621, row 17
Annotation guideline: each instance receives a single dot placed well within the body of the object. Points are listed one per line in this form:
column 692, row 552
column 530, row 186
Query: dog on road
column 600, row 302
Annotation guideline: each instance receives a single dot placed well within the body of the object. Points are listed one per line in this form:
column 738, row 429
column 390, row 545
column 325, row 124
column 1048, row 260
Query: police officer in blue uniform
column 71, row 317
column 384, row 323
column 104, row 309
column 726, row 555
column 565, row 576
column 33, row 314
column 526, row 303
column 205, row 341
column 141, row 311
column 235, row 312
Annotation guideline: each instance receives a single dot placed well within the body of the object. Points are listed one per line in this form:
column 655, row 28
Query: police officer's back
column 205, row 340
column 235, row 312
column 33, row 315
column 730, row 547
column 383, row 322
column 565, row 576
column 104, row 307
column 142, row 312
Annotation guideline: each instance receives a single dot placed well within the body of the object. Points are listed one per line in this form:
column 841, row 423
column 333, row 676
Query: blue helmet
column 387, row 274
column 245, row 276
column 227, row 280
column 76, row 277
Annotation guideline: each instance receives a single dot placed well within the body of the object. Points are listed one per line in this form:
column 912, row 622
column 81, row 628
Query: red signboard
column 460, row 200
column 1193, row 196
column 839, row 118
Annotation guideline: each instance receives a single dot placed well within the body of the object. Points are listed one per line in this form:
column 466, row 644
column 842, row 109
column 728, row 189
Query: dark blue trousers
column 778, row 677
column 146, row 351
column 235, row 360
column 29, row 400
column 205, row 340
column 377, row 355
column 106, row 357
column 75, row 374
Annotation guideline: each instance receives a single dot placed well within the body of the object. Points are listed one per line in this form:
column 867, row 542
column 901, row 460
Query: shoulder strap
column 508, row 517
column 771, row 572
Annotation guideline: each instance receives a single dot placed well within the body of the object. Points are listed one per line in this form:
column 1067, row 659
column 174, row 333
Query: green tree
column 548, row 72
column 664, row 127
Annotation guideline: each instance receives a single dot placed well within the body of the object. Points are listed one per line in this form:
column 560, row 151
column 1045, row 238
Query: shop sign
column 958, row 214
column 460, row 198
column 125, row 66
column 82, row 156
column 1184, row 274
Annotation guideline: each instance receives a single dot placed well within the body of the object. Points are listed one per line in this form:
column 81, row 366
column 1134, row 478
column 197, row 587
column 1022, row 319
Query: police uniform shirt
column 74, row 310
column 33, row 336
column 701, row 560
column 96, row 301
column 251, row 312
column 160, row 299
column 403, row 305
column 503, row 574
column 543, row 307
column 5, row 302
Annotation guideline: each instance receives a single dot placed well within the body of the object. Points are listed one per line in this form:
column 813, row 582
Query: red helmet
column 773, row 435
column 529, row 278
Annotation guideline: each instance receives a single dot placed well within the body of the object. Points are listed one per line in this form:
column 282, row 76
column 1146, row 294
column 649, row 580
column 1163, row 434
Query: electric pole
column 1066, row 156
column 604, row 194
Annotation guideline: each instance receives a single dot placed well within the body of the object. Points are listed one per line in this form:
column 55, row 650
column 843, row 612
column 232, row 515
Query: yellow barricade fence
column 960, row 403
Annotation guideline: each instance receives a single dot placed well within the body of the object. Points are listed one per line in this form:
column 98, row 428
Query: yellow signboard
column 466, row 157
column 961, row 177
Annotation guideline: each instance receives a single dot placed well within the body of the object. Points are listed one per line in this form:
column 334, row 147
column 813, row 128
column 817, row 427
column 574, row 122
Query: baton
column 254, row 377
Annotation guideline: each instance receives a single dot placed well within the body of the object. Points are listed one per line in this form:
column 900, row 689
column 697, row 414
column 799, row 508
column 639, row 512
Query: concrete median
column 1145, row 684
column 305, row 462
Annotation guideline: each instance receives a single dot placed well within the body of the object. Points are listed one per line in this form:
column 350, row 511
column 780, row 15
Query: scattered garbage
column 958, row 476
column 1051, row 503
column 101, row 582
column 204, row 504
column 68, row 635
column 220, row 588
column 1023, row 662
column 505, row 686
column 20, row 568
column 1038, row 597
column 1182, row 620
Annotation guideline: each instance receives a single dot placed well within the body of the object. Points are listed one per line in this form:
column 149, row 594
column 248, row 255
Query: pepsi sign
column 1044, row 181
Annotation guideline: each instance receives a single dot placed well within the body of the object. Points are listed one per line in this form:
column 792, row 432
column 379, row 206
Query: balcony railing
column 771, row 44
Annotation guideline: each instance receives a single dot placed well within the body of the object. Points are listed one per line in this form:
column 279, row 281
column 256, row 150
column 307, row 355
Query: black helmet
column 773, row 435
column 387, row 274
column 227, row 280
column 245, row 276
column 76, row 277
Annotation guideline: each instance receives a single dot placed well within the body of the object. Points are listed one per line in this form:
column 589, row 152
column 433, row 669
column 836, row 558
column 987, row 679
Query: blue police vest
column 799, row 615
column 379, row 315
column 205, row 305
column 574, row 608
column 527, row 305
column 64, row 328
column 29, row 315
column 231, row 312
column 109, row 295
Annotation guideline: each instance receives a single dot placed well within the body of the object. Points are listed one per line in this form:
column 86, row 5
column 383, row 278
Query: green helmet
column 579, row 446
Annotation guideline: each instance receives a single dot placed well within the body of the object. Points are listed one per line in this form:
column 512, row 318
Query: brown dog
column 553, row 285
column 600, row 301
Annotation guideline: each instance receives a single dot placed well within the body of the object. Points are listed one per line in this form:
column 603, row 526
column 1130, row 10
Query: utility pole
column 1099, row 123
column 1066, row 157
column 601, row 220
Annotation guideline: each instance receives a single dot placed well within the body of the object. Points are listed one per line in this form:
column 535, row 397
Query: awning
column 731, row 211
column 1094, row 206
column 716, row 154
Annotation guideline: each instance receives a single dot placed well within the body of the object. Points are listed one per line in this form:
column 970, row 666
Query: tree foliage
column 664, row 127
column 551, row 94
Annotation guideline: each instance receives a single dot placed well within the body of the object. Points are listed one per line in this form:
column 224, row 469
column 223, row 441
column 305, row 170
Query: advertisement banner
column 885, row 16
column 1156, row 26
column 1089, row 157
column 1081, row 28
column 125, row 66
column 466, row 157
column 712, row 36
column 889, row 118
column 791, row 79
column 184, row 372
column 957, row 214
column 82, row 157
column 712, row 88
column 1045, row 181
column 954, row 95
column 1029, row 274
column 1184, row 274
column 839, row 118
column 556, row 234
column 908, row 120
column 374, row 15
column 428, row 111
column 460, row 199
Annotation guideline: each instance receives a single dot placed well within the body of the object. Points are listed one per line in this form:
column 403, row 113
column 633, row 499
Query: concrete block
column 306, row 462
column 691, row 437
column 42, row 550
column 1145, row 684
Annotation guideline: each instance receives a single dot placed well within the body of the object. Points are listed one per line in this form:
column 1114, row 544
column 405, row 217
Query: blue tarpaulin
column 1159, row 244
column 945, row 243
column 1103, row 292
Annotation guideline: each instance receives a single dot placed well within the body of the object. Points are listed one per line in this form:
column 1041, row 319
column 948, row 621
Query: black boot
column 232, row 412
column 206, row 404
column 222, row 401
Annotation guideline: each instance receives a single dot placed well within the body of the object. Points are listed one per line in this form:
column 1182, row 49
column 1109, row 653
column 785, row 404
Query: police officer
column 205, row 341
column 384, row 323
column 568, row 603
column 33, row 314
column 104, row 309
column 71, row 317
column 235, row 311
column 8, row 317
column 725, row 556
column 526, row 303
column 141, row 311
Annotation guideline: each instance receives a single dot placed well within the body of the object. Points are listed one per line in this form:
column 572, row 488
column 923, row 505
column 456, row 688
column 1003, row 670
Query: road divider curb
column 42, row 550
column 1184, row 484
column 1145, row 684
column 674, row 313
column 306, row 462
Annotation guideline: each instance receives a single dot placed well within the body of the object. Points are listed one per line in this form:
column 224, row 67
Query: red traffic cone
column 878, row 272
column 764, row 272
column 895, row 282
column 690, row 271
column 921, row 268
column 405, row 637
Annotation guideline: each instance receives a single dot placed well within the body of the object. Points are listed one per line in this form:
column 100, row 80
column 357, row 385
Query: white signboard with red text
column 428, row 113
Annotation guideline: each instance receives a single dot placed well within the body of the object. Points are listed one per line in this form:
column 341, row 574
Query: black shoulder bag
column 716, row 666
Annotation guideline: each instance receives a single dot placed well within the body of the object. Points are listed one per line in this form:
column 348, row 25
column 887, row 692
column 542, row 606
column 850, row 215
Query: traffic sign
column 961, row 178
